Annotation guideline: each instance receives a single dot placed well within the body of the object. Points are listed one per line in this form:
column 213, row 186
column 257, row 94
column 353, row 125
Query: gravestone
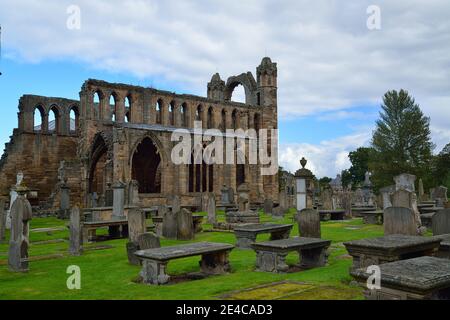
column 309, row 223
column 162, row 210
column 439, row 195
column 346, row 200
column 94, row 200
column 358, row 197
column 21, row 214
column 132, row 247
column 278, row 212
column 407, row 199
column 231, row 195
column 185, row 225
column 399, row 220
column 386, row 193
column 75, row 232
column 327, row 202
column 212, row 209
column 64, row 205
column 109, row 196
column 268, row 206
column 176, row 205
column 118, row 199
column 12, row 197
column 205, row 198
column 170, row 225
column 441, row 222
column 148, row 240
column 101, row 201
column 133, row 193
column 225, row 195
column 136, row 224
column 243, row 198
column 421, row 191
column 405, row 181
column 2, row 220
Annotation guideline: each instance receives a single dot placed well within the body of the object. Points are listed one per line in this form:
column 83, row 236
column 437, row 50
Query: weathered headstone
column 118, row 199
column 185, row 225
column 109, row 197
column 225, row 195
column 212, row 209
column 162, row 210
column 75, row 232
column 21, row 214
column 327, row 202
column 405, row 181
column 176, row 205
column 205, row 197
column 133, row 193
column 2, row 220
column 386, row 196
column 346, row 200
column 399, row 220
column 148, row 240
column 132, row 247
column 94, row 200
column 268, row 206
column 136, row 224
column 421, row 191
column 243, row 198
column 309, row 223
column 170, row 225
column 64, row 205
column 358, row 197
column 439, row 195
column 441, row 222
column 407, row 199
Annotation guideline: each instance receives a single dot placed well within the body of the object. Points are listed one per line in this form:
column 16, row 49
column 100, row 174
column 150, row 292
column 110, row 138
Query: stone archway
column 247, row 81
column 146, row 166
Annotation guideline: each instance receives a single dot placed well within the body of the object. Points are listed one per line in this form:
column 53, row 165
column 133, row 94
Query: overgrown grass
column 106, row 274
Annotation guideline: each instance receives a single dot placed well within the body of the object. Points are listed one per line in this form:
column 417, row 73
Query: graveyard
column 159, row 155
column 107, row 268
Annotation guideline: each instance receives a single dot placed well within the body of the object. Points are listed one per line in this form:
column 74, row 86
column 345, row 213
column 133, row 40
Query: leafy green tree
column 401, row 140
column 346, row 177
column 324, row 182
column 441, row 167
column 360, row 164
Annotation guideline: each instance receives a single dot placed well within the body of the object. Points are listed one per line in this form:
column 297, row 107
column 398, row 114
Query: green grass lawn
column 106, row 274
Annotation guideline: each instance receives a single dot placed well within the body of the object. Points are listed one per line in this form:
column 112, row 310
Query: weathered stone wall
column 38, row 156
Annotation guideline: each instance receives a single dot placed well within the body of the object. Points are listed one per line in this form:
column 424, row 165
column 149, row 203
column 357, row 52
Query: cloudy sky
column 332, row 69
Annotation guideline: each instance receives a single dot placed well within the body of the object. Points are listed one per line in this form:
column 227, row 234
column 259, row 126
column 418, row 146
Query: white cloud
column 325, row 159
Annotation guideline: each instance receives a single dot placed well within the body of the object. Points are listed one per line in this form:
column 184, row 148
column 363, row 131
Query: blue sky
column 332, row 69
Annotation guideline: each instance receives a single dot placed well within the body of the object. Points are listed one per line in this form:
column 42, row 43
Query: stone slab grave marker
column 64, row 205
column 75, row 236
column 440, row 196
column 309, row 223
column 2, row 220
column 170, row 225
column 225, row 195
column 185, row 225
column 327, row 201
column 133, row 193
column 407, row 199
column 12, row 197
column 118, row 199
column 212, row 209
column 148, row 240
column 21, row 214
column 136, row 227
column 441, row 222
column 268, row 206
column 398, row 220
column 176, row 204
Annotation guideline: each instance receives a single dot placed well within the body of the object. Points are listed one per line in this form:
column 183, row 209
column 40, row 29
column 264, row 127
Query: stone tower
column 266, row 78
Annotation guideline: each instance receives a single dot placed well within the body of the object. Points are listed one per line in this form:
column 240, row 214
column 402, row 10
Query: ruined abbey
column 118, row 134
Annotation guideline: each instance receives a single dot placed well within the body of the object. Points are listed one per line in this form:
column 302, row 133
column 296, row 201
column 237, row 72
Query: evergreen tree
column 401, row 140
